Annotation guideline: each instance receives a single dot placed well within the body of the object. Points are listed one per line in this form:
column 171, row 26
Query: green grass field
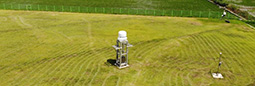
column 196, row 5
column 243, row 2
column 51, row 48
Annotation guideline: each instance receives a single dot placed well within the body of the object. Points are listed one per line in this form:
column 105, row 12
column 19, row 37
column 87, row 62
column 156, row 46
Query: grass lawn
column 51, row 48
column 243, row 2
column 196, row 5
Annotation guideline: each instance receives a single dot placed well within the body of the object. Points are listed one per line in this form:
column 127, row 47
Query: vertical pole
column 38, row 7
column 54, row 8
column 46, row 7
column 163, row 13
column 145, row 11
column 120, row 54
column 126, row 54
column 79, row 8
column 117, row 52
column 190, row 13
column 103, row 10
column 228, row 15
column 112, row 10
column 62, row 8
column 11, row 6
column 136, row 11
column 123, row 52
column 200, row 14
column 220, row 56
column 219, row 62
column 218, row 15
column 209, row 14
column 120, row 10
column 154, row 13
column 4, row 5
column 70, row 8
column 172, row 13
column 218, row 69
column 181, row 12
column 19, row 6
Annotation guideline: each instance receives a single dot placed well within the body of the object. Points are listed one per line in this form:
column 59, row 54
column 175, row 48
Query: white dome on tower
column 122, row 36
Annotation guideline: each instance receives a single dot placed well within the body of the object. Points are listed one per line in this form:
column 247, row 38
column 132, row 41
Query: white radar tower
column 122, row 50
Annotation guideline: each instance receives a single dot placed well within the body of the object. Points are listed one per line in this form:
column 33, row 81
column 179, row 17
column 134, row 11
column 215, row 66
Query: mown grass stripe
column 224, row 47
column 76, row 66
column 237, row 57
column 51, row 68
column 83, row 74
column 220, row 46
column 71, row 60
column 244, row 51
column 90, row 57
column 35, row 65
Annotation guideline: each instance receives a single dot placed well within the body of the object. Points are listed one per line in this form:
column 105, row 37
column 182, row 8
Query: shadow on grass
column 110, row 62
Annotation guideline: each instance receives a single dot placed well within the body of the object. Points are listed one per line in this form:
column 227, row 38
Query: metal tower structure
column 122, row 50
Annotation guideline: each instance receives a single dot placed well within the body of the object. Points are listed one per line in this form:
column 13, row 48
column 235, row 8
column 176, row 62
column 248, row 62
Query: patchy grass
column 196, row 5
column 243, row 2
column 50, row 48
